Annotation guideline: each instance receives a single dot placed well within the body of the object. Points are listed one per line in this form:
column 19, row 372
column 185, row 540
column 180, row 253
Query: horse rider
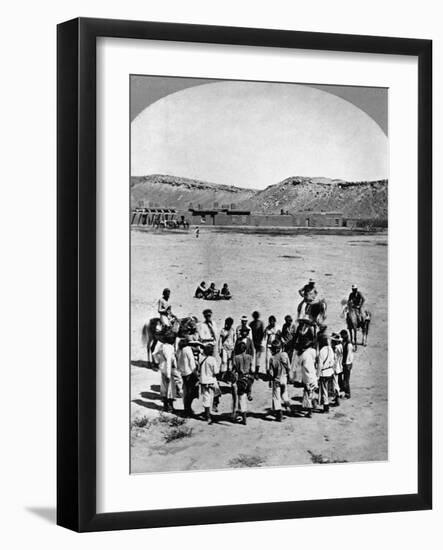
column 164, row 309
column 309, row 294
column 356, row 301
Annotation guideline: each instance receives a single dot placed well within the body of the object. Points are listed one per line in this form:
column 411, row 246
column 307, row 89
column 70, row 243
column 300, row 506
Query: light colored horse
column 153, row 332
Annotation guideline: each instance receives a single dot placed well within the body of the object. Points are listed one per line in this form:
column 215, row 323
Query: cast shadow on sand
column 148, row 404
column 143, row 365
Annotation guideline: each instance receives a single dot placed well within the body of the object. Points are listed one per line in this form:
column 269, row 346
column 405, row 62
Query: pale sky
column 254, row 134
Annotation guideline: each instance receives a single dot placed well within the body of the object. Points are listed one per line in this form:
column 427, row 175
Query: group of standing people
column 238, row 356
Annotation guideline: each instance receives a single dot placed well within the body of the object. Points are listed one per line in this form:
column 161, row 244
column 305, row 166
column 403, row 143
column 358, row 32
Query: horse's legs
column 150, row 347
column 365, row 331
column 354, row 338
column 149, row 352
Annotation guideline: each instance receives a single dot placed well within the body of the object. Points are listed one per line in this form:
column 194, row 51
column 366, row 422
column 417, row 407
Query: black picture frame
column 76, row 280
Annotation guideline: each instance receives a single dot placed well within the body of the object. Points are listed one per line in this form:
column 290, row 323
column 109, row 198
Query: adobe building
column 231, row 217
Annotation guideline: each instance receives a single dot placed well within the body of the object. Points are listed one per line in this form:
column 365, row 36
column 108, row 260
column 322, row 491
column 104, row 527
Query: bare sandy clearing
column 264, row 273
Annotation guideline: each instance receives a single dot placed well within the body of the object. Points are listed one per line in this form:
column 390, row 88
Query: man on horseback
column 356, row 301
column 164, row 309
column 309, row 294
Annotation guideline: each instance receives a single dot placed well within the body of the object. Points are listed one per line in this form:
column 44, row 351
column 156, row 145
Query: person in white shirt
column 164, row 308
column 243, row 324
column 207, row 329
column 325, row 370
column 165, row 357
column 308, row 374
column 226, row 343
column 271, row 332
column 278, row 374
column 208, row 380
column 336, row 343
column 348, row 359
column 187, row 368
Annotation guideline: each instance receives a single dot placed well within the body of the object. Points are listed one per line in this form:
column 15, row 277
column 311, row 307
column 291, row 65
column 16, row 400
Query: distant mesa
column 359, row 200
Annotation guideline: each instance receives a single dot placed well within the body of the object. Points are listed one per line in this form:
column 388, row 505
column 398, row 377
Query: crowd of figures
column 211, row 292
column 196, row 358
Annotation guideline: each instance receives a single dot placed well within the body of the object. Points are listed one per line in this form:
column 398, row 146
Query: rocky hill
column 366, row 199
column 175, row 192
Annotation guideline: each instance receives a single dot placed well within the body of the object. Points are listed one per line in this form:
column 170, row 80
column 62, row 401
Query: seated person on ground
column 225, row 292
column 201, row 290
column 212, row 292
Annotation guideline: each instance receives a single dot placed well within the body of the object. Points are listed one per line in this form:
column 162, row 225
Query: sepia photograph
column 258, row 273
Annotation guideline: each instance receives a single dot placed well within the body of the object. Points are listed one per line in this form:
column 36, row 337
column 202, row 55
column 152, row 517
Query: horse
column 316, row 311
column 358, row 320
column 153, row 332
column 311, row 326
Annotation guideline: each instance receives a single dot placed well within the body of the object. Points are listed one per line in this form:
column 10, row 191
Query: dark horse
column 311, row 327
column 153, row 331
column 358, row 320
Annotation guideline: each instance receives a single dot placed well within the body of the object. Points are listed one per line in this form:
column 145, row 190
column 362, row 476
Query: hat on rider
column 244, row 318
column 312, row 281
column 336, row 337
column 354, row 287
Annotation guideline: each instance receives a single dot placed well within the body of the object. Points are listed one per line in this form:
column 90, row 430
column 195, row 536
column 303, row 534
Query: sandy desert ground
column 264, row 272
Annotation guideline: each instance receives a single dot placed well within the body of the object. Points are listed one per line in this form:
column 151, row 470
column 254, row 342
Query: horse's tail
column 325, row 307
column 145, row 334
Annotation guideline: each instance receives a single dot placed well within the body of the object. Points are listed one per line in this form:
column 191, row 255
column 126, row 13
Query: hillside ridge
column 355, row 199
